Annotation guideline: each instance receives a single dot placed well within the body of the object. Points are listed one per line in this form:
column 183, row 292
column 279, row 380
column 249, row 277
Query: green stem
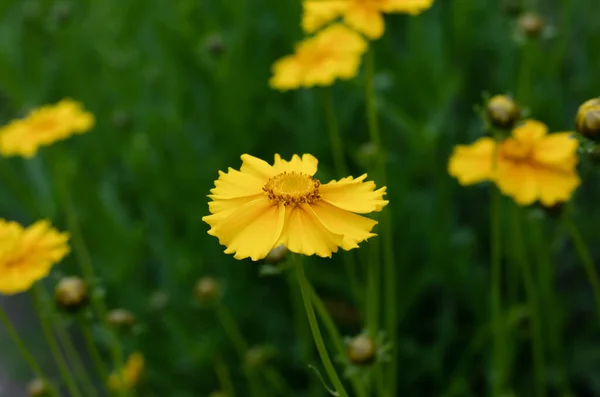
column 496, row 298
column 335, row 138
column 586, row 259
column 534, row 306
column 52, row 343
column 305, row 288
column 391, row 314
column 93, row 350
column 335, row 336
column 224, row 376
column 29, row 359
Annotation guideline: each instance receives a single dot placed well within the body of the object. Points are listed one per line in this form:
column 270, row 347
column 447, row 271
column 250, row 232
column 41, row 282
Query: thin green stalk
column 93, row 350
column 314, row 326
column 278, row 382
column 499, row 358
column 586, row 259
column 335, row 138
column 29, row 359
column 224, row 376
column 335, row 336
column 391, row 313
column 52, row 343
column 539, row 366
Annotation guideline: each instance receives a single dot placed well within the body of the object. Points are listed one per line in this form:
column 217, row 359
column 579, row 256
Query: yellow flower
column 531, row 165
column 333, row 53
column 362, row 15
column 129, row 376
column 262, row 206
column 43, row 127
column 28, row 254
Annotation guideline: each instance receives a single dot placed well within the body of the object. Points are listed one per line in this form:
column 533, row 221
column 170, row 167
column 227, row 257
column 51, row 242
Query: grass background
column 171, row 111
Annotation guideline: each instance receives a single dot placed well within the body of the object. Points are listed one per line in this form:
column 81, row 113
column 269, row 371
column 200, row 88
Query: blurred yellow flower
column 28, row 254
column 262, row 206
column 333, row 53
column 129, row 376
column 43, row 127
column 362, row 15
column 531, row 165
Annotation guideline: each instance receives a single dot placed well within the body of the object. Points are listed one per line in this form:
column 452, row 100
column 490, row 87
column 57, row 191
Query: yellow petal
column 317, row 13
column 354, row 228
column 222, row 208
column 255, row 166
column 354, row 195
column 412, row 7
column 555, row 148
column 366, row 19
column 519, row 182
column 287, row 73
column 305, row 165
column 237, row 184
column 555, row 186
column 530, row 131
column 304, row 233
column 251, row 231
column 474, row 163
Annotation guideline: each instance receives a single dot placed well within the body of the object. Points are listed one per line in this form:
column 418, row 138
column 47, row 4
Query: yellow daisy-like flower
column 128, row 376
column 334, row 53
column 366, row 16
column 262, row 206
column 43, row 127
column 531, row 165
column 28, row 254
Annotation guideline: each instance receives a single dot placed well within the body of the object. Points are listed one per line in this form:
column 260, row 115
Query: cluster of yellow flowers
column 335, row 49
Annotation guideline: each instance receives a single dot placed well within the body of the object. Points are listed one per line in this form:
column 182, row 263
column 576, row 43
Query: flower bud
column 71, row 293
column 587, row 120
column 257, row 356
column 502, row 111
column 207, row 290
column 215, row 45
column 37, row 388
column 361, row 350
column 277, row 254
column 531, row 24
column 120, row 318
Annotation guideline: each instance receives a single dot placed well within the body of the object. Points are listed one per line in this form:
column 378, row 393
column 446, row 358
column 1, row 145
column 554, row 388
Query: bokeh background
column 180, row 91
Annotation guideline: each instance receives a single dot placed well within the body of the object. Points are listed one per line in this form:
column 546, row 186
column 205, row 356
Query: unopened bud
column 37, row 388
column 120, row 318
column 207, row 290
column 531, row 24
column 361, row 350
column 587, row 120
column 71, row 293
column 277, row 254
column 215, row 44
column 502, row 111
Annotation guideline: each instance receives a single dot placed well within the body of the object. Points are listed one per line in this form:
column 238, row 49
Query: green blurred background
column 179, row 90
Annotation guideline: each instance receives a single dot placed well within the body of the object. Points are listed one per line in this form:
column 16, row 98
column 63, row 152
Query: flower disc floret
column 293, row 188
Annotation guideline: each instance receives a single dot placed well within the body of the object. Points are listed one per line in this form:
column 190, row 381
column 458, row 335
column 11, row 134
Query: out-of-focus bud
column 215, row 44
column 502, row 111
column 71, row 293
column 37, row 388
column 158, row 300
column 531, row 24
column 257, row 356
column 207, row 290
column 361, row 350
column 277, row 254
column 120, row 318
column 587, row 120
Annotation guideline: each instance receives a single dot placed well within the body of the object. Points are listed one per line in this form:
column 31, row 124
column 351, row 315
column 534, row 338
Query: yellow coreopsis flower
column 28, row 254
column 334, row 53
column 128, row 376
column 262, row 206
column 43, row 127
column 366, row 16
column 531, row 165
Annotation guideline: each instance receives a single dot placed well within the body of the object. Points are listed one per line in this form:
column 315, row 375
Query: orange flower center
column 515, row 151
column 292, row 188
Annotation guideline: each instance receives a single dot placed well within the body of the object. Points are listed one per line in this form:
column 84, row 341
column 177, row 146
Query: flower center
column 292, row 188
column 515, row 151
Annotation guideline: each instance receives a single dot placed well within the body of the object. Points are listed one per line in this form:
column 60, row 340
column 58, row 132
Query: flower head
column 71, row 293
column 129, row 376
column 334, row 53
column 366, row 16
column 503, row 111
column 28, row 254
column 530, row 165
column 43, row 127
column 587, row 120
column 262, row 206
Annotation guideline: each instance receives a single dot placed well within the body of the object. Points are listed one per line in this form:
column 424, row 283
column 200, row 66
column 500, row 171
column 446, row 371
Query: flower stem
column 305, row 288
column 35, row 367
column 586, row 259
column 532, row 296
column 93, row 350
column 335, row 138
column 496, row 298
column 52, row 343
column 391, row 313
column 224, row 376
